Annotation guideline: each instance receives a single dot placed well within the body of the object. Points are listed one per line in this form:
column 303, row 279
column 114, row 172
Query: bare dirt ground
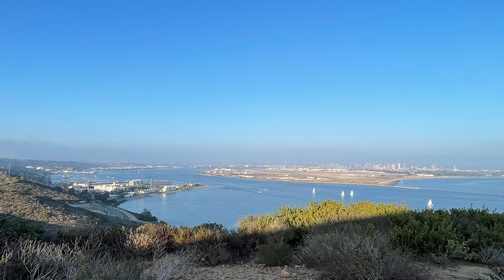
column 449, row 271
column 246, row 271
column 464, row 271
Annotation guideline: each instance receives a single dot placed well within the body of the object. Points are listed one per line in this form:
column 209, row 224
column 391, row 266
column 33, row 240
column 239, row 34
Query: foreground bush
column 274, row 254
column 19, row 229
column 28, row 259
column 351, row 252
column 458, row 233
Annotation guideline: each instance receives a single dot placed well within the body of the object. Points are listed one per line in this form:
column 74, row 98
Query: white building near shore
column 109, row 187
column 80, row 186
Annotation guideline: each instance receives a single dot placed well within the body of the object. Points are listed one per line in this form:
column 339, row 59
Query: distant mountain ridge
column 46, row 163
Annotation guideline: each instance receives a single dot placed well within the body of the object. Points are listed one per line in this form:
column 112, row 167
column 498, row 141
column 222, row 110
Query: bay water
column 226, row 200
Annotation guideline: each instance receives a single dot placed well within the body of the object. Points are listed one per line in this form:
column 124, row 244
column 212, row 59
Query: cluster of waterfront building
column 131, row 187
column 364, row 167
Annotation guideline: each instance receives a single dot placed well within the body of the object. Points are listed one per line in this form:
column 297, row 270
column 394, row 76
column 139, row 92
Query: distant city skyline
column 73, row 154
column 298, row 82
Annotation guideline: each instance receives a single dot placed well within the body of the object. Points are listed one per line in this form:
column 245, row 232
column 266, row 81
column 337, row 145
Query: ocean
column 229, row 199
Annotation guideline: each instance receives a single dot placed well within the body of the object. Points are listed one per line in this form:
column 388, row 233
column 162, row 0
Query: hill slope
column 43, row 206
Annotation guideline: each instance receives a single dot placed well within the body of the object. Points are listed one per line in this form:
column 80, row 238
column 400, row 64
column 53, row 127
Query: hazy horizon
column 300, row 82
column 41, row 151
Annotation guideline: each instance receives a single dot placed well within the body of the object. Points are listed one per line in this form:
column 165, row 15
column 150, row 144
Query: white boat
column 313, row 191
column 342, row 193
column 430, row 204
column 351, row 193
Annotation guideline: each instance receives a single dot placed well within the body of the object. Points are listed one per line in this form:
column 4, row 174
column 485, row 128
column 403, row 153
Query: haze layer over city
column 417, row 83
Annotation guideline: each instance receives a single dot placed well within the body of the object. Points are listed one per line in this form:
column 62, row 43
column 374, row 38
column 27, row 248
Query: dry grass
column 492, row 256
column 47, row 260
column 28, row 259
column 168, row 267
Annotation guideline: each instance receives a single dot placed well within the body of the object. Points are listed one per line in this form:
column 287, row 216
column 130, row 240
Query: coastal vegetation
column 363, row 240
column 147, row 216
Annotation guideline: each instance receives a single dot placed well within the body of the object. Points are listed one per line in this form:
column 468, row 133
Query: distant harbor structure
column 351, row 194
column 430, row 204
column 313, row 191
column 342, row 193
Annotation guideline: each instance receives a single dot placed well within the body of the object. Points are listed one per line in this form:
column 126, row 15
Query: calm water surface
column 229, row 199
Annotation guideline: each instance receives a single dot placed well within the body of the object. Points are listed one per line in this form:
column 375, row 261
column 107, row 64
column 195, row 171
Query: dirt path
column 130, row 216
column 108, row 211
column 450, row 271
column 254, row 272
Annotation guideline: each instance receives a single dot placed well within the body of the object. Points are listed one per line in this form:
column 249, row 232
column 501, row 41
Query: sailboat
column 351, row 193
column 342, row 193
column 313, row 191
column 430, row 204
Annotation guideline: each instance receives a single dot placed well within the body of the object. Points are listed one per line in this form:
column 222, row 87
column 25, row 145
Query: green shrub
column 328, row 211
column 424, row 232
column 443, row 234
column 479, row 228
column 274, row 254
column 212, row 226
column 19, row 229
column 146, row 215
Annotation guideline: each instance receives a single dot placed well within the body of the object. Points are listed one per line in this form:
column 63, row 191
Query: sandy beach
column 365, row 178
column 345, row 178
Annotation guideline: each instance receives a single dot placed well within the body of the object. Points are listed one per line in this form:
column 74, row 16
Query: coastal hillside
column 43, row 207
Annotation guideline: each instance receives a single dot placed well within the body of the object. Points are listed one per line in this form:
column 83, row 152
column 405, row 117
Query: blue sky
column 417, row 82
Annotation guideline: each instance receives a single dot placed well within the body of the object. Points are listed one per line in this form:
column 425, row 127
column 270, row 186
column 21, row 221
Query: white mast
column 430, row 204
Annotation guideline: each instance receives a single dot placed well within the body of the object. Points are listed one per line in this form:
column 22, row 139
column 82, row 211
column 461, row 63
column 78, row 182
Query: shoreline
column 384, row 183
column 140, row 196
column 114, row 209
